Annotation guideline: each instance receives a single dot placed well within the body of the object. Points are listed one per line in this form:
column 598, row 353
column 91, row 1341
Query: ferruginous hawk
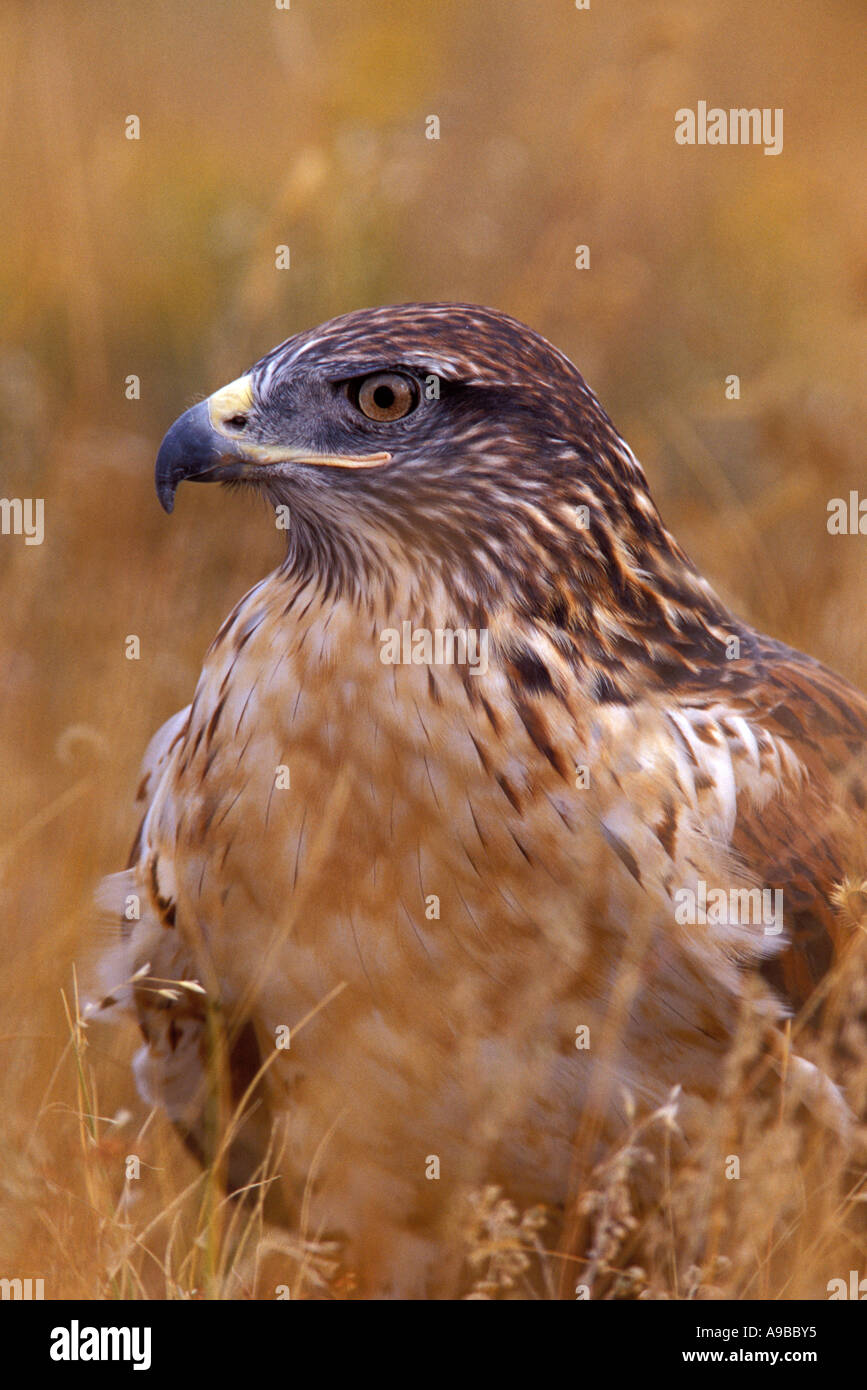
column 488, row 821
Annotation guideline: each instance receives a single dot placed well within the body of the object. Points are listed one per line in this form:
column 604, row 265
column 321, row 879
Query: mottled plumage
column 466, row 866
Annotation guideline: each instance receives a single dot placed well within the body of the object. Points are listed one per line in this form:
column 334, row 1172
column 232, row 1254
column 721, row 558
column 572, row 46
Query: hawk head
column 452, row 439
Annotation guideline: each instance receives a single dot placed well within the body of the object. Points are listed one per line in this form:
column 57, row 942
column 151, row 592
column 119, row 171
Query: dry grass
column 156, row 258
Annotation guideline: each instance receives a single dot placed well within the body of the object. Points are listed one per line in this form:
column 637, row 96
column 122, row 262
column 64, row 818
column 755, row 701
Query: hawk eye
column 387, row 396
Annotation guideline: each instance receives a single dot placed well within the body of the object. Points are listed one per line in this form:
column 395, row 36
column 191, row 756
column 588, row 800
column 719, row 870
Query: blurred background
column 156, row 258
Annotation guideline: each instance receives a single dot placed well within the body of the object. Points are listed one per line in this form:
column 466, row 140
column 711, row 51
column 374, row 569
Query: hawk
column 416, row 864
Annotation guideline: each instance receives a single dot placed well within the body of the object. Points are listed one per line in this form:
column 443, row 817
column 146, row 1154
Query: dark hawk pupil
column 383, row 397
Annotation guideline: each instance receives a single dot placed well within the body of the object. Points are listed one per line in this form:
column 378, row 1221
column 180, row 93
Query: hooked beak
column 209, row 443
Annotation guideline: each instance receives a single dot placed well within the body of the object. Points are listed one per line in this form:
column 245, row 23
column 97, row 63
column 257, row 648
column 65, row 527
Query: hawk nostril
column 236, row 422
